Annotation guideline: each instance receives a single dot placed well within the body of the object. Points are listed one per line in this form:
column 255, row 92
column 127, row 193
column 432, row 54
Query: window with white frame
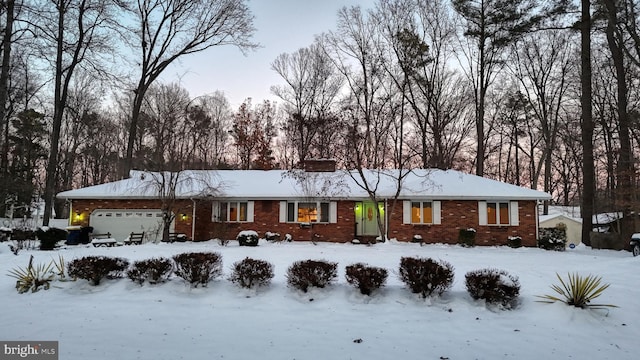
column 498, row 213
column 421, row 212
column 307, row 211
column 233, row 211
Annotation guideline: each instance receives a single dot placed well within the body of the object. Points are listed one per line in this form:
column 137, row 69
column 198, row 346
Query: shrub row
column 423, row 276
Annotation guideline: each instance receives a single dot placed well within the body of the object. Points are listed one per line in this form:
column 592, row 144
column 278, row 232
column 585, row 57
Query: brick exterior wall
column 455, row 215
column 458, row 215
column 267, row 218
column 320, row 165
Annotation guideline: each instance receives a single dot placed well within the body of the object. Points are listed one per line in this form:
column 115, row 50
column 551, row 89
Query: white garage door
column 120, row 223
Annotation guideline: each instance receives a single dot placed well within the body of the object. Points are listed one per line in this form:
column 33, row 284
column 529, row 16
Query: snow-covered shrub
column 271, row 236
column 288, row 238
column 49, row 237
column 247, row 238
column 417, row 238
column 467, row 237
column 317, row 273
column 249, row 272
column 494, row 286
column 366, row 278
column 95, row 268
column 198, row 268
column 514, row 241
column 426, row 276
column 552, row 238
column 154, row 270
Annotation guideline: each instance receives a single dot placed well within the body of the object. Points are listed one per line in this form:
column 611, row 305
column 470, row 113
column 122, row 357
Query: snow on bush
column 95, row 268
column 494, row 286
column 366, row 278
column 307, row 273
column 249, row 273
column 426, row 276
column 198, row 268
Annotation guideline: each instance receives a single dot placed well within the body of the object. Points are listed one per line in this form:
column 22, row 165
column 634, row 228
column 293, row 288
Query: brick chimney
column 320, row 165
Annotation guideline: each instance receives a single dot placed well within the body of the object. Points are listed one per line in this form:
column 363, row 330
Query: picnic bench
column 175, row 236
column 134, row 238
column 104, row 240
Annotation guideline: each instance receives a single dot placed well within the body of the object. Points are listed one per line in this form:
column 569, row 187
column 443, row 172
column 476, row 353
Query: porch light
column 183, row 216
column 78, row 215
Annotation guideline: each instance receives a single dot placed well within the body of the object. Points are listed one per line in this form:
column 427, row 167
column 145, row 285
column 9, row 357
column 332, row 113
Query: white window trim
column 436, row 213
column 514, row 213
column 333, row 211
column 215, row 211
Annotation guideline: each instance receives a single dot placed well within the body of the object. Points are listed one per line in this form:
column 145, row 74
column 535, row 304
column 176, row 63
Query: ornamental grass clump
column 311, row 273
column 366, row 278
column 426, row 277
column 198, row 268
column 249, row 273
column 578, row 291
column 156, row 270
column 494, row 286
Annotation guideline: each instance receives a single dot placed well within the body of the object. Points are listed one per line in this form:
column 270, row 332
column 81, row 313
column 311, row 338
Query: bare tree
column 209, row 120
column 73, row 45
column 170, row 187
column 491, row 25
column 312, row 86
column 543, row 64
column 420, row 34
column 170, row 29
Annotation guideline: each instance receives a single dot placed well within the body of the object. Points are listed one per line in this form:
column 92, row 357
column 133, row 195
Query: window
column 307, row 212
column 421, row 212
column 233, row 211
column 500, row 213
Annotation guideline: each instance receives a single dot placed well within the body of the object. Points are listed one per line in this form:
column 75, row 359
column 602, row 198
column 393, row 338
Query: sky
column 282, row 26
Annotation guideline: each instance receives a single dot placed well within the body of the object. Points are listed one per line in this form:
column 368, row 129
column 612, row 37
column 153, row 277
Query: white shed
column 573, row 225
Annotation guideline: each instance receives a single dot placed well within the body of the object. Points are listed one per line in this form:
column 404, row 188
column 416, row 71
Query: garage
column 121, row 222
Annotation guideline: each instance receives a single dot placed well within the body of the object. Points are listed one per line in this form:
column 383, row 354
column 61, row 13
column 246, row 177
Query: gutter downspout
column 537, row 221
column 70, row 213
column 386, row 220
column 193, row 220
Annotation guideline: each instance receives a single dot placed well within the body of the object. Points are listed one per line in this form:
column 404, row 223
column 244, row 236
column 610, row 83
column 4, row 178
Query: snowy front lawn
column 120, row 319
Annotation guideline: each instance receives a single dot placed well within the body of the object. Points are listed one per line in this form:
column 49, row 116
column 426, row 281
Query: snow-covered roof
column 282, row 184
column 606, row 218
column 563, row 217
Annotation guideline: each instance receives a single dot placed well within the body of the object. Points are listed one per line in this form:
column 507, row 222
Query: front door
column 366, row 217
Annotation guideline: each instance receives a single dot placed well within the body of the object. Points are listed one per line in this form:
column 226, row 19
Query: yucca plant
column 60, row 267
column 578, row 291
column 33, row 277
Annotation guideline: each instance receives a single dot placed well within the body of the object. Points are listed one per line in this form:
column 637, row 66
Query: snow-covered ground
column 122, row 320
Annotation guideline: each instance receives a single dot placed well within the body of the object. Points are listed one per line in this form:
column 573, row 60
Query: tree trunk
column 57, row 120
column 625, row 162
column 4, row 83
column 588, row 169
